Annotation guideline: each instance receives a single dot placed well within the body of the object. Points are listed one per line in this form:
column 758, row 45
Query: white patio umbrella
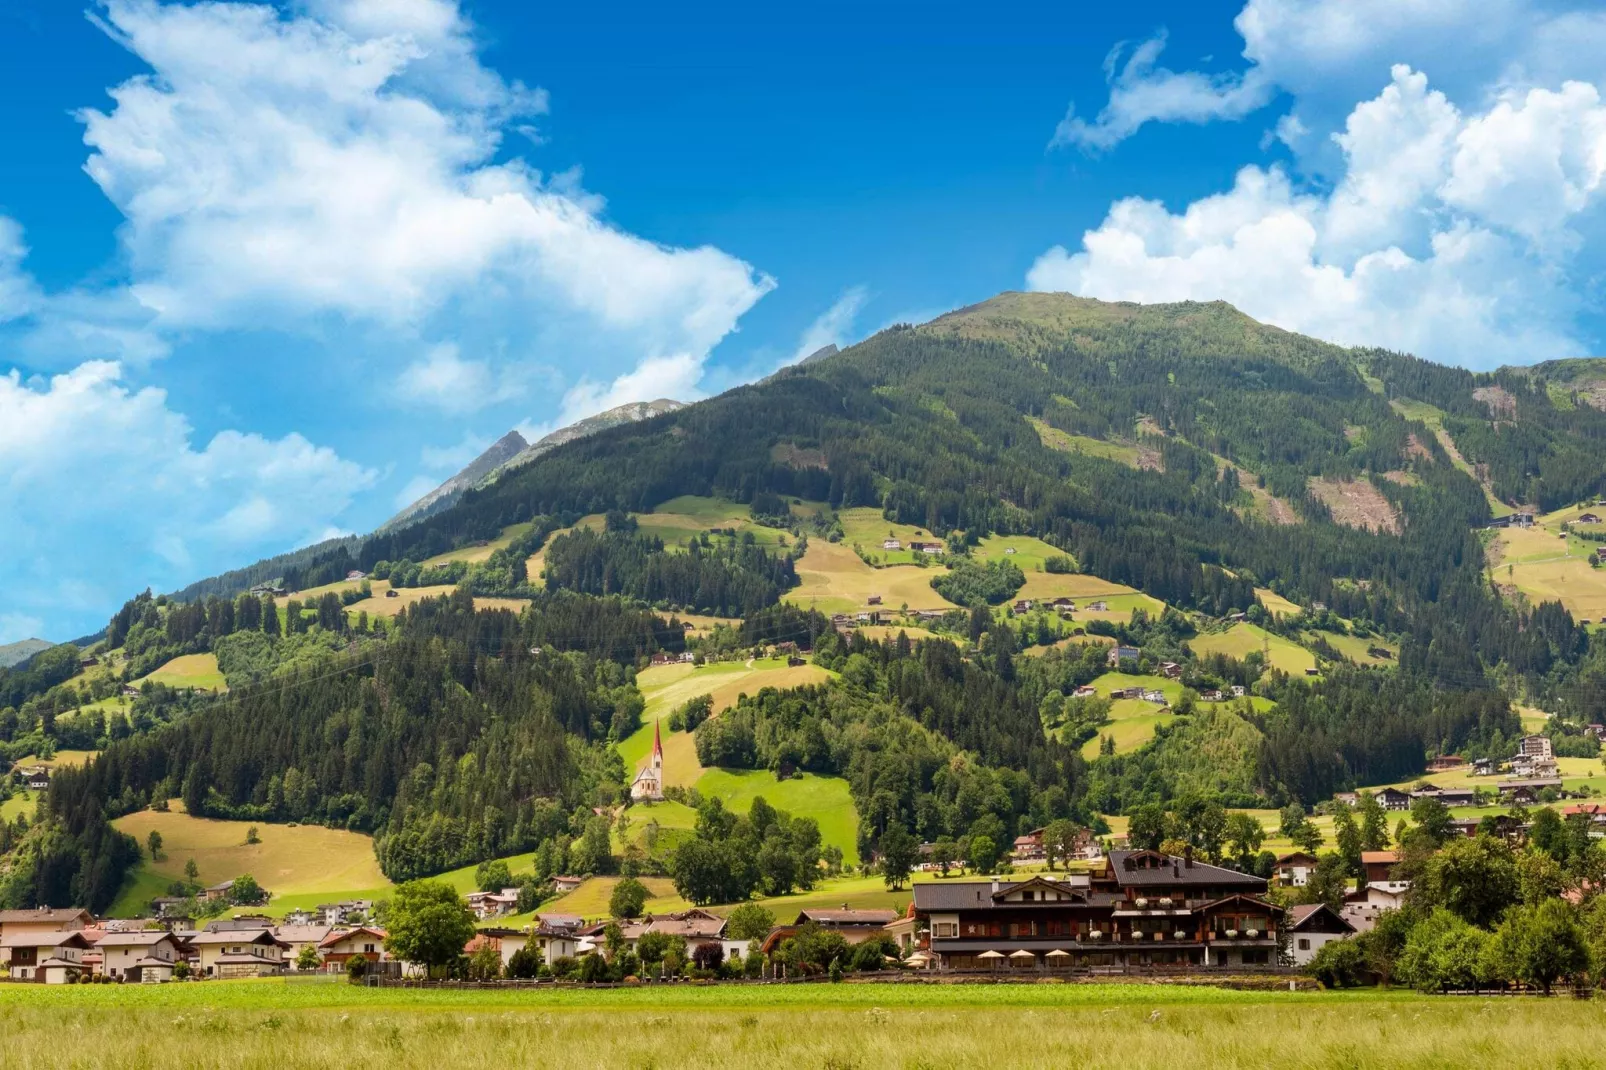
column 1058, row 953
column 990, row 956
column 1023, row 955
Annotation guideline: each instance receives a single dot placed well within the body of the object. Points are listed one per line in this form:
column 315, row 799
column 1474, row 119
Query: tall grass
column 1134, row 1027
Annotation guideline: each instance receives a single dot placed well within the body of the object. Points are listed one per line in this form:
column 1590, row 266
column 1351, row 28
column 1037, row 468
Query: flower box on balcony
column 1179, row 935
column 1141, row 903
column 1253, row 934
column 1232, row 934
column 1095, row 935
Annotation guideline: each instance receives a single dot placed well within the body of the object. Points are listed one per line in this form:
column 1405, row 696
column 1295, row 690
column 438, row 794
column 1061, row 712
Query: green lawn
column 825, row 799
column 199, row 671
column 866, row 529
column 1355, row 648
column 1243, row 637
column 1029, row 555
column 21, row 802
column 1055, row 439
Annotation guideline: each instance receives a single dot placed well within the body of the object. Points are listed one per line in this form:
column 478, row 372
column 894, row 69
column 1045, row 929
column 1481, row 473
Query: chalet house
column 356, row 576
column 1362, row 908
column 556, row 936
column 565, row 885
column 238, row 953
column 1377, row 865
column 1154, row 695
column 1527, row 791
column 508, row 942
column 1028, row 848
column 1239, row 691
column 1310, row 926
column 1023, row 605
column 1140, row 908
column 1127, row 692
column 494, row 904
column 1347, row 798
column 1535, row 747
column 1587, row 518
column 873, row 600
column 342, row 913
column 48, row 957
column 217, row 891
column 891, row 544
column 696, row 926
column 295, row 937
column 37, row 779
column 1524, row 767
column 1295, row 869
column 1393, row 799
column 1064, row 605
column 1465, row 826
column 1119, row 653
column 1445, row 762
column 856, row 926
column 1100, row 606
column 41, row 920
column 1084, row 692
column 931, row 548
column 1210, row 695
column 1170, row 670
column 1449, row 796
column 1595, row 731
column 147, row 956
column 1483, row 767
column 341, row 946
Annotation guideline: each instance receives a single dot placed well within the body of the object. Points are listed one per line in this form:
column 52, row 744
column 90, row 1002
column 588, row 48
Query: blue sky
column 267, row 272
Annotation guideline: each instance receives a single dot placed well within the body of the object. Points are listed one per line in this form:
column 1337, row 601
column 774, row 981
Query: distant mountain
column 19, row 652
column 828, row 350
column 512, row 450
column 502, row 450
column 634, row 412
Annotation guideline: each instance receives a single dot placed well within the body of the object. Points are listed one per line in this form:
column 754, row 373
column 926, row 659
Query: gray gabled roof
column 1174, row 872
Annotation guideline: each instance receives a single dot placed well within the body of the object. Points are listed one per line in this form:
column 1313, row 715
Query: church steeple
column 657, row 748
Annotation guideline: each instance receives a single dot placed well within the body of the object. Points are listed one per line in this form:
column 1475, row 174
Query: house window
column 1304, row 944
column 946, row 930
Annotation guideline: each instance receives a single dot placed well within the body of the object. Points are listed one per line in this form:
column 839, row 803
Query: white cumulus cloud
column 345, row 160
column 104, row 492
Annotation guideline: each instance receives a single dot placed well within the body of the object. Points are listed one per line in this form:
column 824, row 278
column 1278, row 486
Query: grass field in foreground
column 238, row 1024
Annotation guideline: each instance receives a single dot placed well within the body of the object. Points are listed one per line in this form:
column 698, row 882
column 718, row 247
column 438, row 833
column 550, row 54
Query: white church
column 649, row 783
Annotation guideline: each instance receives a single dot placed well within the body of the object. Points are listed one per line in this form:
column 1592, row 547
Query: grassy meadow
column 832, row 579
column 1545, row 567
column 199, row 671
column 274, row 1024
column 302, row 865
column 1243, row 638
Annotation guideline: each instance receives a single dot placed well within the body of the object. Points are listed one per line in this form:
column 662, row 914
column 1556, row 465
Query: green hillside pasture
column 825, row 799
column 1029, row 555
column 1276, row 604
column 301, row 865
column 61, row 758
column 1055, row 439
column 1132, row 724
column 675, row 822
column 666, row 687
column 1243, row 637
column 1355, row 648
column 590, row 900
column 21, row 802
column 1549, row 569
column 834, row 580
column 867, row 529
column 681, row 518
column 1122, row 600
column 197, row 671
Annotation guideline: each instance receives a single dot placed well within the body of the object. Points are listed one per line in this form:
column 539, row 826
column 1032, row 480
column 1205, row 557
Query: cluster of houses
column 60, row 946
column 915, row 545
column 1065, row 607
column 1529, row 772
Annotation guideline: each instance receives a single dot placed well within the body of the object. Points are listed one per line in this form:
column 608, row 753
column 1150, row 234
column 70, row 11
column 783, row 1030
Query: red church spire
column 657, row 745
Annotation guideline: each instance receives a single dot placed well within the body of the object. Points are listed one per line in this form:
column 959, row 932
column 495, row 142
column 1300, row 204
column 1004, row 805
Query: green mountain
column 1253, row 499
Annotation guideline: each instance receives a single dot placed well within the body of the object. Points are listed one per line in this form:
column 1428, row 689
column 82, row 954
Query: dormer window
column 1026, row 897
